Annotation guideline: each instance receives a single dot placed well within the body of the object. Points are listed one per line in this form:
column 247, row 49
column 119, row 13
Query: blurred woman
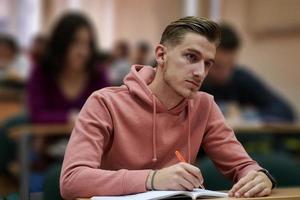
column 68, row 74
column 58, row 88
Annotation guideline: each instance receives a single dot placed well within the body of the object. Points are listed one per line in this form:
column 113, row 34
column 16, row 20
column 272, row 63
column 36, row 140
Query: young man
column 125, row 137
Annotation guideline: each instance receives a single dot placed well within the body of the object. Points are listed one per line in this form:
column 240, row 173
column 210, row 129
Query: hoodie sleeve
column 81, row 175
column 221, row 145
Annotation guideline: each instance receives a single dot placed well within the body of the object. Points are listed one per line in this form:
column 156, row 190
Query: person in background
column 59, row 86
column 14, row 66
column 229, row 82
column 121, row 64
column 37, row 49
column 105, row 58
column 141, row 53
column 68, row 74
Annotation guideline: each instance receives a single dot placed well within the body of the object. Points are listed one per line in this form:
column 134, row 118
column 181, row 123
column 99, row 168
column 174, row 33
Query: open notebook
column 151, row 195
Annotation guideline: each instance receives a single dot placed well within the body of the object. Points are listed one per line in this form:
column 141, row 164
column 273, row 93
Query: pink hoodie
column 123, row 132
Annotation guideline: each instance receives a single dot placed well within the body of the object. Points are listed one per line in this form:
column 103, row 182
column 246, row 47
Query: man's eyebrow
column 195, row 51
column 212, row 60
column 199, row 53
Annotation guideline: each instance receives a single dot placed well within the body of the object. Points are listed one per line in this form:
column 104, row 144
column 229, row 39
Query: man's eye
column 191, row 57
column 208, row 64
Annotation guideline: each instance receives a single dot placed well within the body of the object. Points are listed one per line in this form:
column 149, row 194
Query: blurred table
column 292, row 193
column 7, row 94
column 11, row 102
column 277, row 194
column 22, row 134
column 276, row 128
column 263, row 138
column 41, row 130
column 12, row 90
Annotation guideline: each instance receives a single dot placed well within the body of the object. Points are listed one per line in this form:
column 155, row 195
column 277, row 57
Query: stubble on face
column 178, row 72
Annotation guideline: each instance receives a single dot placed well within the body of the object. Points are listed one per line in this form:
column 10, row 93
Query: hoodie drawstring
column 189, row 132
column 154, row 130
column 154, row 159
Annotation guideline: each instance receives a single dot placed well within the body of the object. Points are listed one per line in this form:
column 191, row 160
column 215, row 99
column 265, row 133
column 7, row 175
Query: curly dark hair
column 60, row 40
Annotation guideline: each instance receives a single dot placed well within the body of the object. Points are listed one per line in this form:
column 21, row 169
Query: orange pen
column 181, row 159
column 179, row 156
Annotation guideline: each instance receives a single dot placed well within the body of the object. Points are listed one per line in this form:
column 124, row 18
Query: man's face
column 185, row 65
column 224, row 66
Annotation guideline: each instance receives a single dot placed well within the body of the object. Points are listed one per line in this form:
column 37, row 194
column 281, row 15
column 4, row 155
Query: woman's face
column 79, row 51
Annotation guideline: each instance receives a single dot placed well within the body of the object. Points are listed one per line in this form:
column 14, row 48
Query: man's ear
column 160, row 51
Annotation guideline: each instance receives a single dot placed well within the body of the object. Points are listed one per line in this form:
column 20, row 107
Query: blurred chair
column 8, row 147
column 213, row 179
column 51, row 186
column 13, row 196
column 282, row 166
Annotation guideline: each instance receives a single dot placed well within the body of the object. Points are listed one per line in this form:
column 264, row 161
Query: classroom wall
column 145, row 19
column 132, row 20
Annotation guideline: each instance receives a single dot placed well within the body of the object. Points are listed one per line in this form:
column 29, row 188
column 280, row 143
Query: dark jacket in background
column 247, row 90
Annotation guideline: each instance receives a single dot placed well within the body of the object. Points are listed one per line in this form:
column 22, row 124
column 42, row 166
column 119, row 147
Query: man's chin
column 187, row 94
column 191, row 95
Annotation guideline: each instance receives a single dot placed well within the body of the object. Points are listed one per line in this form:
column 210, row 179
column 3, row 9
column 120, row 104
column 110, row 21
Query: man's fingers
column 264, row 192
column 180, row 187
column 246, row 179
column 191, row 178
column 248, row 186
column 195, row 171
column 254, row 190
column 186, row 184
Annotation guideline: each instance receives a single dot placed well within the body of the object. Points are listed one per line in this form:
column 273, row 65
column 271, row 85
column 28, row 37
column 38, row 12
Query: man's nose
column 199, row 70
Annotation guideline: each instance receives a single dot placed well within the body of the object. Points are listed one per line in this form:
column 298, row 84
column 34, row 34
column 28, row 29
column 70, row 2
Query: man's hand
column 181, row 176
column 254, row 184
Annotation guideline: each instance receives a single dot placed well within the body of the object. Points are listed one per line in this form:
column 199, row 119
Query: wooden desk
column 41, row 130
column 277, row 194
column 277, row 128
column 12, row 95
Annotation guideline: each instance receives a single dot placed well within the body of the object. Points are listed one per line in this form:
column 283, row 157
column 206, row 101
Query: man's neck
column 164, row 92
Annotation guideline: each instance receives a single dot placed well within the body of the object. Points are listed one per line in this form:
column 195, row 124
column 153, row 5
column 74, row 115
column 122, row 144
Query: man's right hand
column 181, row 176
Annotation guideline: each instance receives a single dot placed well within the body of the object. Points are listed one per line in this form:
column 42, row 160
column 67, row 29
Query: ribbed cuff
column 135, row 181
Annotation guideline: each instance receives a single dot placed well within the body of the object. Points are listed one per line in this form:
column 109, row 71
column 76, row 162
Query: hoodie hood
column 137, row 82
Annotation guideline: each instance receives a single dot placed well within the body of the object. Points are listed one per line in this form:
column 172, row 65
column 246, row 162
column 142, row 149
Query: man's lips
column 194, row 83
